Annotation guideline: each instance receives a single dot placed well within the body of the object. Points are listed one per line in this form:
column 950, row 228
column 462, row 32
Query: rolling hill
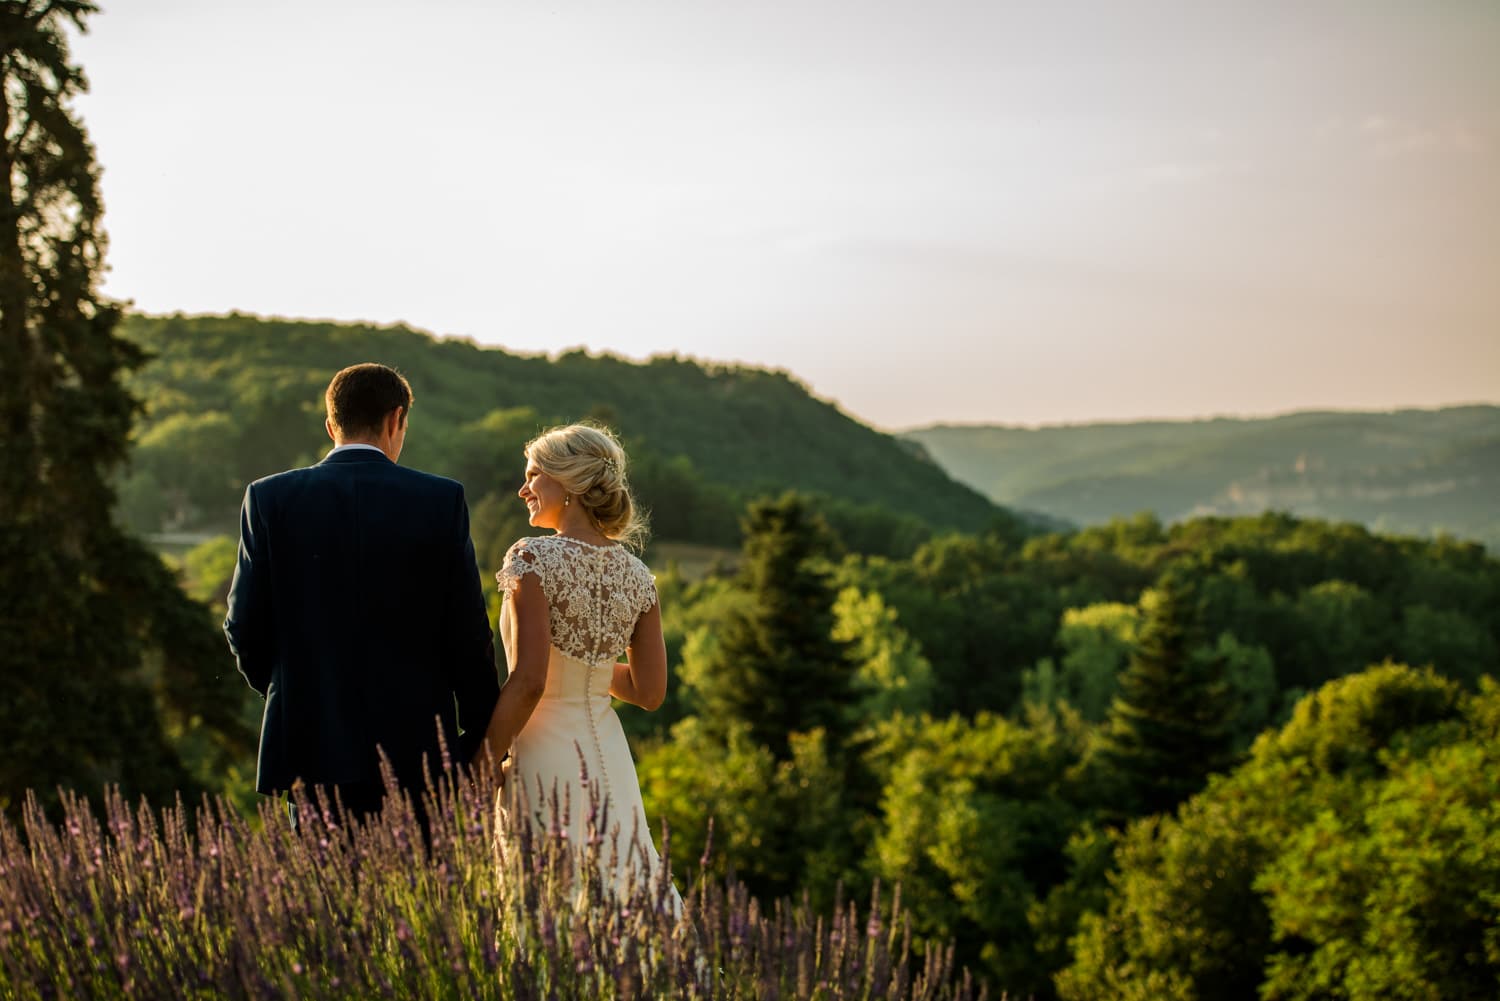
column 231, row 398
column 1417, row 472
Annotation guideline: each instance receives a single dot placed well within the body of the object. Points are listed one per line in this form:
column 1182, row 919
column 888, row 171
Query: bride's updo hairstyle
column 587, row 460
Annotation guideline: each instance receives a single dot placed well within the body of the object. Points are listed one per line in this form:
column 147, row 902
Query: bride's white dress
column 595, row 594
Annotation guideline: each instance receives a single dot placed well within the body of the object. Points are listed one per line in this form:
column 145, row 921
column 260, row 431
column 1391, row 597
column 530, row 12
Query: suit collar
column 356, row 455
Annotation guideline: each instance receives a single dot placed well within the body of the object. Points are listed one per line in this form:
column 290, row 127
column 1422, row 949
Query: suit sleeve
column 470, row 653
column 248, row 626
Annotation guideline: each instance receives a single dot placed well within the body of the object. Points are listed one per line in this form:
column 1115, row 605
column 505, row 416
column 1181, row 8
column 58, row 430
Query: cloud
column 1387, row 137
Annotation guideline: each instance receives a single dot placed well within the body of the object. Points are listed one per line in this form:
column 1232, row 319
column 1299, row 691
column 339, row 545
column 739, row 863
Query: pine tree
column 99, row 647
column 778, row 671
column 1168, row 728
column 777, row 666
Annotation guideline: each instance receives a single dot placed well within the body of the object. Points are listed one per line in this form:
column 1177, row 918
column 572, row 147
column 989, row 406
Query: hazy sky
column 927, row 210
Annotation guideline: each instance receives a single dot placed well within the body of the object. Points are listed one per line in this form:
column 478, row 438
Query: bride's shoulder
column 524, row 554
column 527, row 544
column 534, row 544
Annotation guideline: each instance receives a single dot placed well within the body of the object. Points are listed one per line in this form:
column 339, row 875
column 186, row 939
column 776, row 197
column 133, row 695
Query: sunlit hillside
column 1418, row 472
column 232, row 398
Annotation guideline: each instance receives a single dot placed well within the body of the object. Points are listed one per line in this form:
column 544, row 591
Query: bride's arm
column 528, row 669
column 642, row 681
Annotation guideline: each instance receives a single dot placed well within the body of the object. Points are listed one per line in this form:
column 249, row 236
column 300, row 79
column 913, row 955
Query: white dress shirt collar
column 344, row 448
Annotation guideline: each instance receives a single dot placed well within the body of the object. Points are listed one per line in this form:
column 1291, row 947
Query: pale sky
column 926, row 210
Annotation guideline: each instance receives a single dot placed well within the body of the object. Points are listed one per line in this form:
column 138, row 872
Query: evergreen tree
column 777, row 666
column 1168, row 728
column 98, row 639
column 779, row 682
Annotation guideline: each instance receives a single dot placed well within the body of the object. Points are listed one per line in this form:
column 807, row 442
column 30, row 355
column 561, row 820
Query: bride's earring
column 567, row 500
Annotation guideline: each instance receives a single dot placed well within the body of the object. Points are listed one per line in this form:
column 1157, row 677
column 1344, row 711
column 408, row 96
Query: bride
column 574, row 601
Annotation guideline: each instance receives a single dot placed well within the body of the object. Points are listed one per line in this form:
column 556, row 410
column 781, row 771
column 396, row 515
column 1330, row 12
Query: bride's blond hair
column 589, row 462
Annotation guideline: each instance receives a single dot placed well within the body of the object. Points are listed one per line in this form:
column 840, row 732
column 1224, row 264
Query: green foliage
column 693, row 612
column 1343, row 630
column 974, row 818
column 776, row 666
column 1055, row 917
column 977, row 613
column 1354, row 855
column 1169, row 727
column 683, row 503
column 1102, row 562
column 104, row 662
column 1325, row 599
column 207, row 570
column 781, row 825
column 1448, row 639
column 1348, row 724
column 1396, row 897
column 703, row 438
column 1250, row 678
column 692, row 778
column 774, row 685
column 891, row 675
column 1182, row 920
column 869, row 528
column 1096, row 643
column 185, row 453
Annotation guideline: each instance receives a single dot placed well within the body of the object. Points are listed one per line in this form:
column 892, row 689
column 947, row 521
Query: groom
column 356, row 610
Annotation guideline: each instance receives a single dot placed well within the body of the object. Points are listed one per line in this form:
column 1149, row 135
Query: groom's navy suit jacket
column 356, row 612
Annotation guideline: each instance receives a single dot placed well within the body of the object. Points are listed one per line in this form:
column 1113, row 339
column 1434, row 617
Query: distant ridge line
column 1209, row 419
column 1412, row 471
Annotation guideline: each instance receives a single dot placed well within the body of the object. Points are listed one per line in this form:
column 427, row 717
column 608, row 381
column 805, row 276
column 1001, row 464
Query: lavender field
column 203, row 903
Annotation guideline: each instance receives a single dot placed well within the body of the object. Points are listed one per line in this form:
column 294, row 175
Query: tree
column 188, row 451
column 1455, row 644
column 1353, row 855
column 1169, row 727
column 63, row 409
column 1096, row 643
column 1343, row 630
column 1395, row 896
column 1250, row 677
column 693, row 778
column 892, row 675
column 973, row 823
column 1347, row 725
column 978, row 617
column 1182, row 919
column 104, row 659
column 777, row 666
column 773, row 678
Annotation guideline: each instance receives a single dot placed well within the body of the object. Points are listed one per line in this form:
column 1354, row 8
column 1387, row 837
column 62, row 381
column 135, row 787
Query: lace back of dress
column 596, row 593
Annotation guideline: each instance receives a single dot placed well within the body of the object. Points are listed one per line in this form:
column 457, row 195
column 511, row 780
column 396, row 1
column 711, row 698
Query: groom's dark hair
column 360, row 396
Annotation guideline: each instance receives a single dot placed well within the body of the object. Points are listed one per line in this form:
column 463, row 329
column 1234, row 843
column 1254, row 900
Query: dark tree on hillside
column 1168, row 728
column 101, row 653
column 777, row 666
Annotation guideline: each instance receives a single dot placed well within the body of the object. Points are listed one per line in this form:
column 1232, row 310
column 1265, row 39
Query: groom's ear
column 328, row 426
